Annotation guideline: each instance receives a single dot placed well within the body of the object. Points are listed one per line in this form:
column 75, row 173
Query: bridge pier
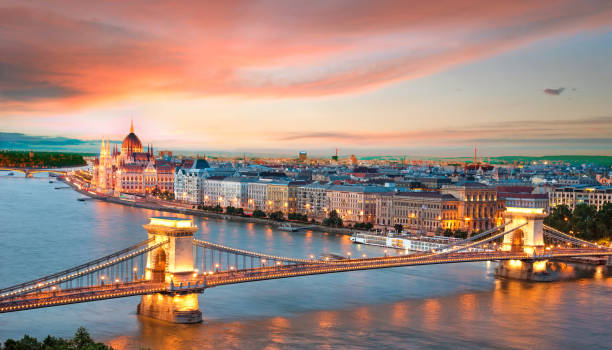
column 171, row 264
column 527, row 270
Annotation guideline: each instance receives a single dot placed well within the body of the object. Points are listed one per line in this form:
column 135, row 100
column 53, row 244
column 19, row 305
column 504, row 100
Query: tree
column 398, row 228
column 82, row 338
column 277, row 216
column 259, row 214
column 559, row 218
column 333, row 220
column 81, row 341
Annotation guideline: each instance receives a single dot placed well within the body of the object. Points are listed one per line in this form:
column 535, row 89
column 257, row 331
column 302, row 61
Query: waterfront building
column 354, row 203
column 419, row 211
column 257, row 194
column 226, row 191
column 478, row 205
column 277, row 196
column 312, row 200
column 130, row 170
column 188, row 181
column 212, row 191
column 573, row 195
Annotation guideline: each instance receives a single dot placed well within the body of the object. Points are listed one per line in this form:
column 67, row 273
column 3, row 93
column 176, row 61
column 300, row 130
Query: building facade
column 573, row 195
column 257, row 195
column 312, row 200
column 189, row 182
column 478, row 205
column 420, row 212
column 130, row 170
column 354, row 203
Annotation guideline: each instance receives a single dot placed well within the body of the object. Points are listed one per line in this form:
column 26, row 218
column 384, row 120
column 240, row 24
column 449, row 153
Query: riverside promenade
column 171, row 207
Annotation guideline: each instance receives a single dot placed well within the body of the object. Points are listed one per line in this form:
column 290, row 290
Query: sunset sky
column 368, row 77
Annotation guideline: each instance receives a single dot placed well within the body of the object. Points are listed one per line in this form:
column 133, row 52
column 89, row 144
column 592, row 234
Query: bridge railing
column 211, row 257
column 125, row 265
column 562, row 236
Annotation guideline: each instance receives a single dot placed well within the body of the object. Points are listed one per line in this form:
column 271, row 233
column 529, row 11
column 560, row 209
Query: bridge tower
column 171, row 264
column 528, row 238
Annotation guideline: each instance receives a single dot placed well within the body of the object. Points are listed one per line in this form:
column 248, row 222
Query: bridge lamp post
column 217, row 267
column 385, row 252
column 349, row 255
column 364, row 256
column 311, row 257
column 263, row 262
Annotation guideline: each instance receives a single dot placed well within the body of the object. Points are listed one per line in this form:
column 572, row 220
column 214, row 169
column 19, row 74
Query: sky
column 422, row 78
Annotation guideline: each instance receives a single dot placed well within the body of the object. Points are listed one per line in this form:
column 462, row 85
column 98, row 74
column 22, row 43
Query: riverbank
column 161, row 206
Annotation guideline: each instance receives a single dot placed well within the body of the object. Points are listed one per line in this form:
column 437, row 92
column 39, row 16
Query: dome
column 131, row 143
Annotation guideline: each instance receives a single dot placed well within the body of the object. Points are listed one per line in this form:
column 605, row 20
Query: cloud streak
column 592, row 131
column 554, row 92
column 56, row 54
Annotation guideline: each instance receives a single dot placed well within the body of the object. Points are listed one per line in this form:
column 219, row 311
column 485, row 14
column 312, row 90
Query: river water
column 461, row 306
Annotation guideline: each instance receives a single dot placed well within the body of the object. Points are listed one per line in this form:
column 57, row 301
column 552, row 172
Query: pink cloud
column 67, row 54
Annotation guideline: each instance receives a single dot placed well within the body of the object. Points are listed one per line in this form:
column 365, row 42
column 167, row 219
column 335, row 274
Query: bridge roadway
column 27, row 171
column 202, row 281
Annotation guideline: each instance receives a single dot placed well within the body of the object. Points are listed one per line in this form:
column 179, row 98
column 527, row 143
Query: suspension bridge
column 29, row 172
column 171, row 267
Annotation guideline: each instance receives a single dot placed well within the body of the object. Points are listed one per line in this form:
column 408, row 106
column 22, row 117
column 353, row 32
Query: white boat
column 418, row 244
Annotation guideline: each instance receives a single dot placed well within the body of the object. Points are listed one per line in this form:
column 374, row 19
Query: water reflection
column 447, row 306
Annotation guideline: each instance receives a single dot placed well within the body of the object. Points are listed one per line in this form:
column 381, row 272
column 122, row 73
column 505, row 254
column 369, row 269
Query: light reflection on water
column 448, row 307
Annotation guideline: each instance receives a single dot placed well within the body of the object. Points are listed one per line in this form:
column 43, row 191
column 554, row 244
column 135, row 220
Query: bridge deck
column 201, row 282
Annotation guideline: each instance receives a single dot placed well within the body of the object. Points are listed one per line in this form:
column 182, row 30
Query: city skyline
column 391, row 78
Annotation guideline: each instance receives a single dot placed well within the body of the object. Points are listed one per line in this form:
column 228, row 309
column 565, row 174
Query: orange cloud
column 68, row 54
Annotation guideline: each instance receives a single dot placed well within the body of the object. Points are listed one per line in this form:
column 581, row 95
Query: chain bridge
column 171, row 267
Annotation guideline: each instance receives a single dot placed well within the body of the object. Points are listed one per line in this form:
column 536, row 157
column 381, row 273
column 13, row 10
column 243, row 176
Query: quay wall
column 201, row 213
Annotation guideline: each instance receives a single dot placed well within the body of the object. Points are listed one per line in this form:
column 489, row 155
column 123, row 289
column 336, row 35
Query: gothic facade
column 130, row 169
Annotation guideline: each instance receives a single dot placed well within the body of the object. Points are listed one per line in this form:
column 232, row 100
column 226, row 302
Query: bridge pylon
column 171, row 264
column 527, row 239
column 530, row 237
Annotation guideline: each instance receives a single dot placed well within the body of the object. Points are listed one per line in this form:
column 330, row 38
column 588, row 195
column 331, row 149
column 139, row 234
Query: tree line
column 23, row 159
column 584, row 222
column 81, row 341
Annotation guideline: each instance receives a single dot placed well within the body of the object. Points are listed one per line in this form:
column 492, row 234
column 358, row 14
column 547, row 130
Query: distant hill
column 22, row 142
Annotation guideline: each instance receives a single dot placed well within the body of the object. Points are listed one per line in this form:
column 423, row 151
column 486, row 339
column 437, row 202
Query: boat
column 293, row 228
column 10, row 174
column 418, row 244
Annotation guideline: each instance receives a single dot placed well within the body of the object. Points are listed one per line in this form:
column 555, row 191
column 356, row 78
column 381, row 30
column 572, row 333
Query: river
column 461, row 306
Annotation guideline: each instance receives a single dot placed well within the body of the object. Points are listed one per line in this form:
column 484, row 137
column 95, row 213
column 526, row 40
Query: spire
column 132, row 126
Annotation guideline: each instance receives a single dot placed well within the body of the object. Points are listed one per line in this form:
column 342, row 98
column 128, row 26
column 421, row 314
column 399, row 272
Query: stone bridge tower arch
column 171, row 263
column 528, row 238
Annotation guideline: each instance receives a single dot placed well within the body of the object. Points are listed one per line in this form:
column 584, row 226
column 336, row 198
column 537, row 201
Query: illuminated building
column 312, row 200
column 419, row 211
column 478, row 205
column 130, row 170
column 573, row 195
column 354, row 203
column 257, row 192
